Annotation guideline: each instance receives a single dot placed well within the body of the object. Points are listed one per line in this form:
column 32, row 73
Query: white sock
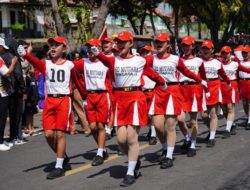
column 153, row 132
column 193, row 144
column 229, row 125
column 248, row 119
column 212, row 135
column 170, row 152
column 59, row 162
column 131, row 167
column 221, row 112
column 164, row 146
column 187, row 137
column 100, row 152
column 108, row 130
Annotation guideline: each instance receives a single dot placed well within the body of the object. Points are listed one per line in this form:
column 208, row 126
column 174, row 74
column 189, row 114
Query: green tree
column 219, row 15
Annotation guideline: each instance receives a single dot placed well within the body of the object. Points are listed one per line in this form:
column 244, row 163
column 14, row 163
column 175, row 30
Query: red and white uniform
column 96, row 85
column 231, row 95
column 214, row 69
column 57, row 109
column 169, row 101
column 193, row 94
column 129, row 106
column 245, row 81
column 149, row 85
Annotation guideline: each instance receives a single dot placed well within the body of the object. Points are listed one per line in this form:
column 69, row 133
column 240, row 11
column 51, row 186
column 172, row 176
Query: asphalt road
column 226, row 166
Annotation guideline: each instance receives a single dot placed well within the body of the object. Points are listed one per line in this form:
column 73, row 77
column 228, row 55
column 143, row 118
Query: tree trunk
column 142, row 23
column 57, row 18
column 215, row 37
column 152, row 21
column 100, row 22
column 133, row 24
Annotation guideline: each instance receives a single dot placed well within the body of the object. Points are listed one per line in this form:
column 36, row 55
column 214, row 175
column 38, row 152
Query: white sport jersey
column 238, row 54
column 95, row 75
column 242, row 74
column 193, row 65
column 148, row 83
column 212, row 67
column 128, row 72
column 58, row 77
column 231, row 69
column 167, row 67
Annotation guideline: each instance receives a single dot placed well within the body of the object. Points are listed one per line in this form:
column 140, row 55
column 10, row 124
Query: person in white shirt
column 244, row 84
column 5, row 92
column 214, row 70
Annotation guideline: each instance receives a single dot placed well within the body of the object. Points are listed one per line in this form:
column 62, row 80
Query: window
column 1, row 24
column 21, row 17
column 12, row 17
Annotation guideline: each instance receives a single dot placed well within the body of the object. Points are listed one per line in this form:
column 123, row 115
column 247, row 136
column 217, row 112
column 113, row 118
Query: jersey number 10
column 60, row 76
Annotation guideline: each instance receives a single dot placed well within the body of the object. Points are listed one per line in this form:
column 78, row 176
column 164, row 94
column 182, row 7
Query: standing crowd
column 114, row 90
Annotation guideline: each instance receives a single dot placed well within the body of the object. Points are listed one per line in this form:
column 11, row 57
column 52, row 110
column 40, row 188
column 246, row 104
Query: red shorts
column 167, row 102
column 56, row 113
column 149, row 97
column 98, row 107
column 214, row 89
column 130, row 108
column 229, row 95
column 193, row 98
column 245, row 89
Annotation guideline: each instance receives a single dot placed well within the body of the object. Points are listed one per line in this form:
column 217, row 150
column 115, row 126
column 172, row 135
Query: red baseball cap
column 146, row 47
column 163, row 37
column 58, row 39
column 246, row 49
column 226, row 49
column 125, row 36
column 207, row 43
column 188, row 40
column 94, row 42
column 107, row 39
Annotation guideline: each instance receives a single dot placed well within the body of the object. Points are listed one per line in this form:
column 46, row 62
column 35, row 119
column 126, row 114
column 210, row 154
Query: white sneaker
column 4, row 147
column 19, row 142
column 25, row 135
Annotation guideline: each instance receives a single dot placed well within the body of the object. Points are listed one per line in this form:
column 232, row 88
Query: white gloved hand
column 204, row 83
column 95, row 50
column 164, row 87
column 208, row 94
column 21, row 51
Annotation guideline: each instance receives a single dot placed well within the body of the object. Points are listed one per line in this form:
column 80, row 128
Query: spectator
column 31, row 99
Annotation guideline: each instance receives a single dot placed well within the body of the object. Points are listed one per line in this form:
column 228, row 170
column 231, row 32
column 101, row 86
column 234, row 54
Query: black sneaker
column 148, row 134
column 248, row 126
column 162, row 156
column 226, row 135
column 233, row 129
column 66, row 160
column 152, row 141
column 119, row 152
column 211, row 143
column 55, row 173
column 207, row 137
column 108, row 136
column 127, row 181
column 191, row 152
column 98, row 160
column 105, row 155
column 137, row 173
column 166, row 163
column 185, row 146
